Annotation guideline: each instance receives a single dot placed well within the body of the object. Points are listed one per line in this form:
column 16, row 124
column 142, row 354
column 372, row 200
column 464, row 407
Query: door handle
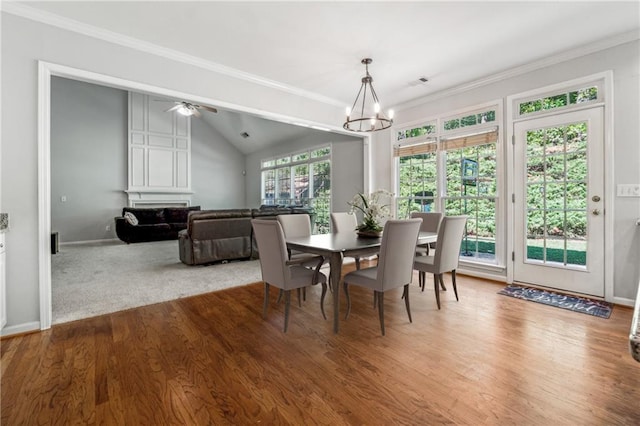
column 595, row 212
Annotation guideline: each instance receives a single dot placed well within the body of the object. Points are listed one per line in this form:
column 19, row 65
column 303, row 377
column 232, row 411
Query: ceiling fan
column 187, row 109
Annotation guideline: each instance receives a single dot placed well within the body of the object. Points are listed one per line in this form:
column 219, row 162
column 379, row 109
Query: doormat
column 597, row 308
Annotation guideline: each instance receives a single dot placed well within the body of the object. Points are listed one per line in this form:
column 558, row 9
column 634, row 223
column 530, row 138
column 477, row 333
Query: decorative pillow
column 131, row 218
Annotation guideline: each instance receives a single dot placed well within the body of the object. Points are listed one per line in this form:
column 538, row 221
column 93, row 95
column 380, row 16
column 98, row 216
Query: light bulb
column 391, row 114
column 348, row 112
column 376, row 107
column 183, row 110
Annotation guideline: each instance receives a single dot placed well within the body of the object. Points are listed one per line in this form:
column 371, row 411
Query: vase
column 369, row 234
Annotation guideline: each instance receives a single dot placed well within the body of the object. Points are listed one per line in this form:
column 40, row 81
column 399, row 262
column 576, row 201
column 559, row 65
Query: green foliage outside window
column 557, row 182
column 559, row 100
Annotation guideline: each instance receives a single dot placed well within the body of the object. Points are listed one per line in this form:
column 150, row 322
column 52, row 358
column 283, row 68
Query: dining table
column 335, row 247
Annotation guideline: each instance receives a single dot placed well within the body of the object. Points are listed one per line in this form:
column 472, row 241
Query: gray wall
column 216, row 169
column 347, row 170
column 88, row 159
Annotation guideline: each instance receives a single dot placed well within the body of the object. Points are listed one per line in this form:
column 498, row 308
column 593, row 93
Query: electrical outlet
column 628, row 190
column 108, row 228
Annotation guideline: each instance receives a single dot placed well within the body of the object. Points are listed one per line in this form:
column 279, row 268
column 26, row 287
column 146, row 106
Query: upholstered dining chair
column 394, row 269
column 447, row 254
column 345, row 222
column 430, row 223
column 299, row 225
column 277, row 269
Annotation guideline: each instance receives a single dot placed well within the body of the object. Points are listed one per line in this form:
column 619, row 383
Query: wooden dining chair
column 430, row 223
column 345, row 222
column 447, row 254
column 277, row 269
column 394, row 269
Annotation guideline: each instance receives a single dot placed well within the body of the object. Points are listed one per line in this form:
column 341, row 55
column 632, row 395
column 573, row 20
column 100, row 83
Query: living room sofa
column 138, row 225
column 219, row 235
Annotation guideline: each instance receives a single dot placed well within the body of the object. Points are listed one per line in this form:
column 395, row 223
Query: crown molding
column 58, row 21
column 523, row 69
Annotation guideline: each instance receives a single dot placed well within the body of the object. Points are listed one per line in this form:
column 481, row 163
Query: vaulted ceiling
column 316, row 47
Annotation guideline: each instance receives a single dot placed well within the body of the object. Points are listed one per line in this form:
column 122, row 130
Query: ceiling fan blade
column 173, row 108
column 208, row 108
column 196, row 112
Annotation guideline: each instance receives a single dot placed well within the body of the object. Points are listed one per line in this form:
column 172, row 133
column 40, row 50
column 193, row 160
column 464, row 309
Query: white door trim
column 609, row 178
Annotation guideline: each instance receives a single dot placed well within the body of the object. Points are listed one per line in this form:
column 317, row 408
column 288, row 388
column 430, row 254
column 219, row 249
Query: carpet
column 100, row 278
column 583, row 305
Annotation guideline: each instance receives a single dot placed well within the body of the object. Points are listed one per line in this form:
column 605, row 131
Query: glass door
column 559, row 205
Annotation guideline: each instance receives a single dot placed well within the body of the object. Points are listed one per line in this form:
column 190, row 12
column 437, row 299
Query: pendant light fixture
column 366, row 114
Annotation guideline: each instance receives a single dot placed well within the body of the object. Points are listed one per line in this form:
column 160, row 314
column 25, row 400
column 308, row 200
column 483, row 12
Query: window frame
column 440, row 195
column 287, row 161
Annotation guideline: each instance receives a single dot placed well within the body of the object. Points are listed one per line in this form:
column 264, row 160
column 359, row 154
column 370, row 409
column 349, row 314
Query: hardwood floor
column 212, row 359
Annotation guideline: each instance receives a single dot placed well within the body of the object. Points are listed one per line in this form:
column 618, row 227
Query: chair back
column 295, row 225
column 273, row 252
column 397, row 250
column 430, row 221
column 343, row 222
column 449, row 239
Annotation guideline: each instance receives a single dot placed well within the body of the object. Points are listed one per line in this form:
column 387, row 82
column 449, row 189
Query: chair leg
column 406, row 301
column 299, row 298
column 287, row 304
column 381, row 310
column 280, row 293
column 375, row 300
column 324, row 293
column 422, row 278
column 265, row 304
column 442, row 283
column 453, row 280
column 346, row 293
column 304, row 293
column 436, row 288
column 357, row 263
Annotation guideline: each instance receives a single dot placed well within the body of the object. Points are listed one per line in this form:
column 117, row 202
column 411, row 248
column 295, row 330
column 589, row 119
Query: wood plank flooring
column 212, row 359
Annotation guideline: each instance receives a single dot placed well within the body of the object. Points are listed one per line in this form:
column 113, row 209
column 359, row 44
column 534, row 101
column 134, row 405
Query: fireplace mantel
column 150, row 198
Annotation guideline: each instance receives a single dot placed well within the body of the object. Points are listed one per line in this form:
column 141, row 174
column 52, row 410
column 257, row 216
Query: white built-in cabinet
column 3, row 284
column 159, row 165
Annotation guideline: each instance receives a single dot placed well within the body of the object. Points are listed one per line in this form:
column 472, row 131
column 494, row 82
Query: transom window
column 300, row 179
column 559, row 100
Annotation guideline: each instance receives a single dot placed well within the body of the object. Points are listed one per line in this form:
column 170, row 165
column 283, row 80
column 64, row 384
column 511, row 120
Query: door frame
column 608, row 170
column 47, row 70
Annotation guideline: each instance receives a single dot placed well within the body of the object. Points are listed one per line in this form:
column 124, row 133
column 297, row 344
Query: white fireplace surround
column 159, row 199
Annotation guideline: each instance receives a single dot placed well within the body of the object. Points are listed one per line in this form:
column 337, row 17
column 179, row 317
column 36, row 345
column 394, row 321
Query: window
column 454, row 170
column 563, row 100
column 300, row 179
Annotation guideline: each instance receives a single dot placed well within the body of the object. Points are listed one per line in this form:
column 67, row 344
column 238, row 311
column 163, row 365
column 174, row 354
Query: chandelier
column 365, row 115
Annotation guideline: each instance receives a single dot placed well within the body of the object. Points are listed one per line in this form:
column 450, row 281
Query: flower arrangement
column 372, row 209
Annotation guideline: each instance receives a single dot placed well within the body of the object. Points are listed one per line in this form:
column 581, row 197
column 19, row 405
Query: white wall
column 24, row 43
column 624, row 60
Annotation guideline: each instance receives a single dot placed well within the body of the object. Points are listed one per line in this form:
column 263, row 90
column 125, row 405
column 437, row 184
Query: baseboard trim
column 624, row 301
column 79, row 243
column 27, row 327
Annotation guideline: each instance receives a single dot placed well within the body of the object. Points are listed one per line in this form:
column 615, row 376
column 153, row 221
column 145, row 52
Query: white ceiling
column 317, row 46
